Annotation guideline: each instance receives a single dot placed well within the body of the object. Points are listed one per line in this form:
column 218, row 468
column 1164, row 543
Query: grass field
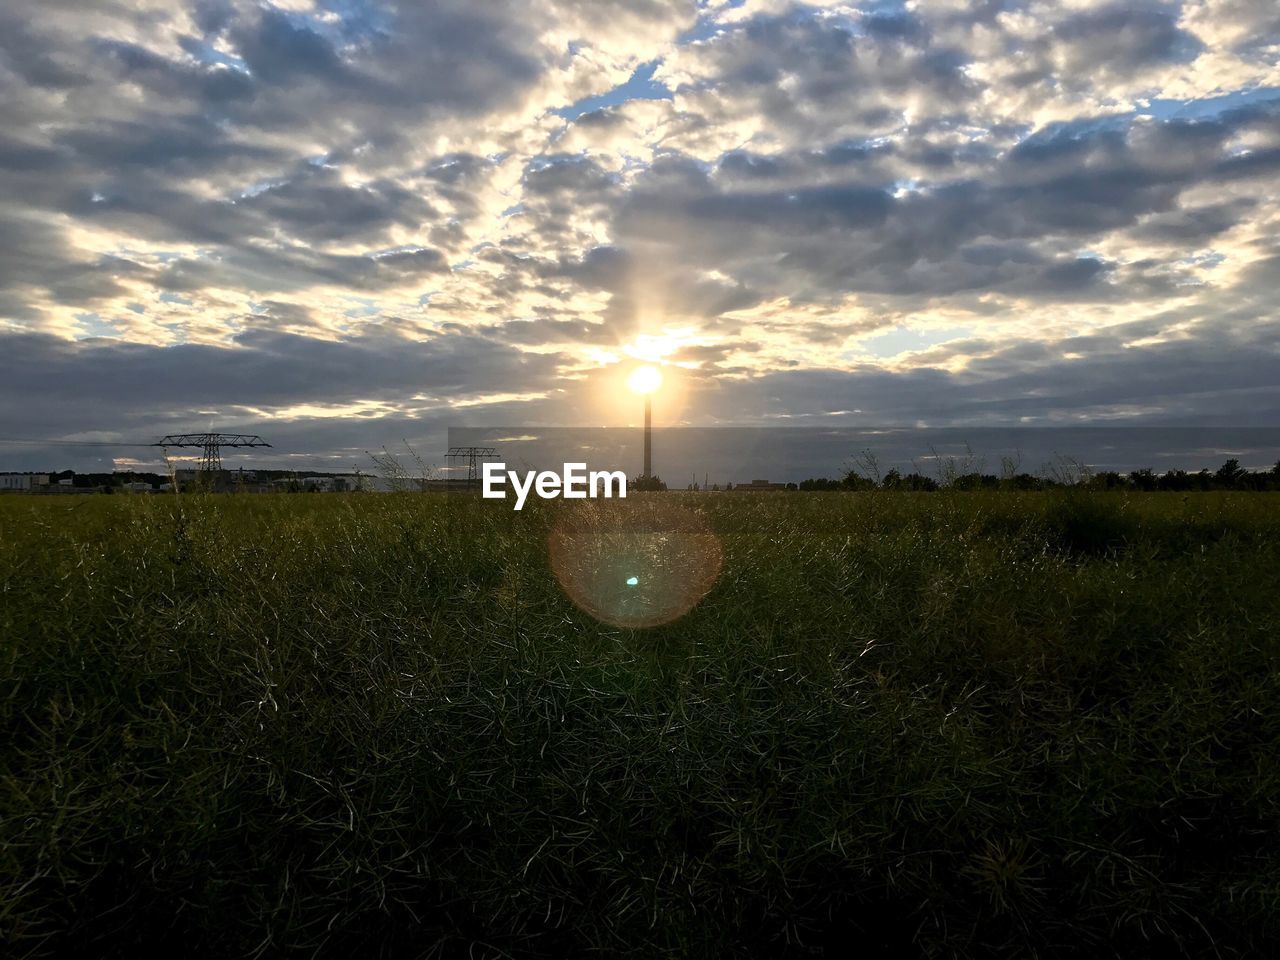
column 946, row 724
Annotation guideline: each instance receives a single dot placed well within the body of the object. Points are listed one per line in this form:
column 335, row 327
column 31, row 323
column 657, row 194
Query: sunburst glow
column 645, row 379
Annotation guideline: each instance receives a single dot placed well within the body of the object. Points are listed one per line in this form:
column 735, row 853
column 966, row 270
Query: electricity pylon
column 212, row 443
column 474, row 457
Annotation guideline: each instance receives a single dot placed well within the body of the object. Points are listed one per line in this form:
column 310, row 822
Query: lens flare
column 639, row 562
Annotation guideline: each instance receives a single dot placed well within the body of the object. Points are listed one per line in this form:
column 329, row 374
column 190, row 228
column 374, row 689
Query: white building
column 22, row 482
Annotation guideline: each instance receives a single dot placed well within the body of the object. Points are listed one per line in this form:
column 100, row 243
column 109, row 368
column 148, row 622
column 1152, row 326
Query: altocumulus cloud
column 342, row 222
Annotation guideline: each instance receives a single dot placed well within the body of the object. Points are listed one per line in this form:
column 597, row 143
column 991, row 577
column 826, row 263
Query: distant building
column 222, row 481
column 22, row 482
column 758, row 485
column 136, row 486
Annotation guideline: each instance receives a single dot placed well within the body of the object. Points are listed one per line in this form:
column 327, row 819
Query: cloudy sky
column 340, row 223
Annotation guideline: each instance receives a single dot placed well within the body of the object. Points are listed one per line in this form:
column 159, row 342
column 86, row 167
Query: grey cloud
column 431, row 57
column 214, row 83
column 278, row 50
column 1124, row 38
column 263, row 368
column 1035, row 205
column 600, row 268
column 1201, row 380
column 837, row 206
column 1071, row 275
column 318, row 206
column 647, row 285
column 28, row 54
column 263, row 270
column 190, row 145
column 213, row 16
column 556, row 174
column 809, row 76
column 138, row 392
column 544, row 330
column 1196, row 225
column 560, row 192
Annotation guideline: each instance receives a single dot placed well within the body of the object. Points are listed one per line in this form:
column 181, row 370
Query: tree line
column 866, row 475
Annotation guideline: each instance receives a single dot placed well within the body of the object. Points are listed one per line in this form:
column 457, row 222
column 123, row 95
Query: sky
column 346, row 223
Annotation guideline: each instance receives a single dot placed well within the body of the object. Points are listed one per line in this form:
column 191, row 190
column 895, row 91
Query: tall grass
column 962, row 725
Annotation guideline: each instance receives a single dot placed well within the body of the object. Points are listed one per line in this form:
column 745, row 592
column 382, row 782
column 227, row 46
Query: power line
column 212, row 444
column 76, row 443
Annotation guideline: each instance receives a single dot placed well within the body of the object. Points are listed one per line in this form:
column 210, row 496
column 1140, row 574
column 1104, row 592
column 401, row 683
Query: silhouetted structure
column 473, row 456
column 648, row 436
column 212, row 443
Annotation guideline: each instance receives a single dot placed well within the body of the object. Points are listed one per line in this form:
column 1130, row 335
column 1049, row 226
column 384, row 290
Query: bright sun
column 645, row 379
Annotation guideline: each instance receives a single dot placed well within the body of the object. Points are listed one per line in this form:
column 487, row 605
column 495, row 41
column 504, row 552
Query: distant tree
column 975, row 481
column 853, row 480
column 1106, row 480
column 1231, row 475
column 647, row 483
column 1026, row 481
column 1144, row 479
column 894, row 480
column 1063, row 472
column 820, row 483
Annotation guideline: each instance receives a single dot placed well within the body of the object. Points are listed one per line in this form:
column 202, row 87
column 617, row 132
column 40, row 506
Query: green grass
column 966, row 725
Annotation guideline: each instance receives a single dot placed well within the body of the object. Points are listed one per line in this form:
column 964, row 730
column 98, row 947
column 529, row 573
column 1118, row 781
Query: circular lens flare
column 645, row 379
column 639, row 562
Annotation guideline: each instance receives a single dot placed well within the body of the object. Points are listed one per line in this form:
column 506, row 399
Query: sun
column 645, row 379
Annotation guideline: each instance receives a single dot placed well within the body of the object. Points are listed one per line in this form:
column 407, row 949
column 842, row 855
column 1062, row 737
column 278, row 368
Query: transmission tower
column 212, row 444
column 473, row 456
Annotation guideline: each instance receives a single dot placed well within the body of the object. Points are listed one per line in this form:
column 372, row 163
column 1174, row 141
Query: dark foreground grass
column 948, row 725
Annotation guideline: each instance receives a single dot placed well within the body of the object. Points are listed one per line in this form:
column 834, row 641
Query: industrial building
column 22, row 482
column 757, row 485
